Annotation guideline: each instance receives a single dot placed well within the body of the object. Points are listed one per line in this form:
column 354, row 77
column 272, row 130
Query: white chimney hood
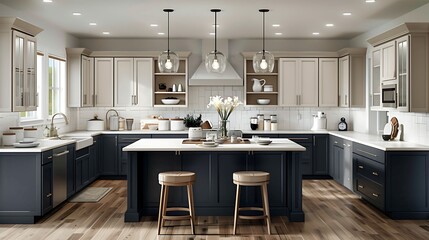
column 203, row 78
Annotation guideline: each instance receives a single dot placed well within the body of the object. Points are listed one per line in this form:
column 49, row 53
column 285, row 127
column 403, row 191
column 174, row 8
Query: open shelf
column 170, row 79
column 270, row 79
column 170, row 74
column 262, row 74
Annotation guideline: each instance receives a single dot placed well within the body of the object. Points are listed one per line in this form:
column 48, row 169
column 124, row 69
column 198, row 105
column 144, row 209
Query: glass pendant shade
column 263, row 62
column 215, row 62
column 168, row 62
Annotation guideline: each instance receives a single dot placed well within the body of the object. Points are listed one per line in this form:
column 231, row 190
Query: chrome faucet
column 52, row 130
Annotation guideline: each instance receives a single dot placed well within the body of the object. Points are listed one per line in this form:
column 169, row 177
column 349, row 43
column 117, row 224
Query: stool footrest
column 251, row 209
column 176, row 218
column 182, row 209
column 252, row 217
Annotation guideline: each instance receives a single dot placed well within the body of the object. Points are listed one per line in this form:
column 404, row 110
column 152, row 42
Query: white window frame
column 63, row 92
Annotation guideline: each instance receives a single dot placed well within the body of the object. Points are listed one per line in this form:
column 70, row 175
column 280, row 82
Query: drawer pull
column 374, row 155
column 335, row 142
column 360, row 186
column 49, row 195
column 61, row 154
column 375, row 173
column 50, row 157
column 360, row 166
column 375, row 194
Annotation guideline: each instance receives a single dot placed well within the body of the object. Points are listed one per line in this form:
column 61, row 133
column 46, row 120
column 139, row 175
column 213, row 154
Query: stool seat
column 176, row 177
column 249, row 177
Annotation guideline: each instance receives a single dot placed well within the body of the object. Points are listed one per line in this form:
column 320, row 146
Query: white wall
column 414, row 124
column 51, row 41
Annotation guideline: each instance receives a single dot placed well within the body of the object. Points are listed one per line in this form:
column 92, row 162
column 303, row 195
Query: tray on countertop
column 189, row 141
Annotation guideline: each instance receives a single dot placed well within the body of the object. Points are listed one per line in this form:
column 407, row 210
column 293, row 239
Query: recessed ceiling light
column 369, row 1
column 161, row 33
column 276, row 25
column 278, row 34
column 212, row 33
column 106, row 33
column 77, row 14
column 316, row 33
column 154, row 25
column 47, row 1
column 347, row 14
column 93, row 24
column 329, row 25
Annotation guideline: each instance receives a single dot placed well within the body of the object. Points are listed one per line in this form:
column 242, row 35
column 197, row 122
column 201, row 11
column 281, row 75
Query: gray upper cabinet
column 403, row 55
column 352, row 78
column 80, row 80
column 328, row 82
column 133, row 82
column 103, row 82
column 18, row 63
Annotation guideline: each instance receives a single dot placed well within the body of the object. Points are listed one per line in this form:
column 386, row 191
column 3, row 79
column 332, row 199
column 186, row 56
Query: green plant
column 191, row 121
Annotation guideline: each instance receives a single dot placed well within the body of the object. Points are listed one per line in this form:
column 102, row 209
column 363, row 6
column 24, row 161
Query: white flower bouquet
column 224, row 108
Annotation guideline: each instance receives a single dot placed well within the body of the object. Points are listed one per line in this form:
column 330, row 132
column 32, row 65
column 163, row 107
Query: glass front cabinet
column 24, row 58
column 18, row 65
column 402, row 63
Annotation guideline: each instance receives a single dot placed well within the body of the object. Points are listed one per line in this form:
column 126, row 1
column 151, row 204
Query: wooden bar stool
column 252, row 178
column 175, row 179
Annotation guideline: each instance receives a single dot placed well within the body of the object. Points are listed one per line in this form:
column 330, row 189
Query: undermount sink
column 81, row 142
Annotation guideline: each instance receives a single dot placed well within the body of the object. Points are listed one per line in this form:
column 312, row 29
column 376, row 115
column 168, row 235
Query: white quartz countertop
column 45, row 145
column 278, row 144
column 377, row 142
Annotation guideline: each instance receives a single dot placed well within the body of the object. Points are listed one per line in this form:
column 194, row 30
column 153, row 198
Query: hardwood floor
column 332, row 212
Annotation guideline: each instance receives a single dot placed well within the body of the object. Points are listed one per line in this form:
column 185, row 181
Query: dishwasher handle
column 61, row 154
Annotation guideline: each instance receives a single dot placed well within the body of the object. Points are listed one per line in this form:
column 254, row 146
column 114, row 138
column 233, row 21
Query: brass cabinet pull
column 375, row 173
column 375, row 194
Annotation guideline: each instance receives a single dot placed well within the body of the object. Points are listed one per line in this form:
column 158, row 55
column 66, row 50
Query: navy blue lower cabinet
column 123, row 141
column 82, row 177
column 109, row 162
column 47, row 187
column 71, row 180
column 321, row 155
column 306, row 158
column 214, row 190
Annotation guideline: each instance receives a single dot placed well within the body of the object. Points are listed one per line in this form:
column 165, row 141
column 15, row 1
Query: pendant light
column 263, row 61
column 168, row 61
column 215, row 61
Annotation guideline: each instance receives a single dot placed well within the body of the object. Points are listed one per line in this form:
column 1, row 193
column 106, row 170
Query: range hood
column 203, row 78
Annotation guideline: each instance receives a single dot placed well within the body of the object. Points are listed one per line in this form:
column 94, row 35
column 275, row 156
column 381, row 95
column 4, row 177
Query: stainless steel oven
column 388, row 95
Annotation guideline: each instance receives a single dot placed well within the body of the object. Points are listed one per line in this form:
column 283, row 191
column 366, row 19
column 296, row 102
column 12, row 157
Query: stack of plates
column 27, row 143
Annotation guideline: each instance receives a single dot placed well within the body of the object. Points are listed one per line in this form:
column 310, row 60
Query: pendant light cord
column 263, row 33
column 215, row 33
column 168, row 34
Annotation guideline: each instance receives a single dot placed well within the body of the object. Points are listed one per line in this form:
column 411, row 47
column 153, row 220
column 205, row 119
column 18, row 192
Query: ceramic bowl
column 170, row 101
column 386, row 137
column 263, row 101
column 152, row 126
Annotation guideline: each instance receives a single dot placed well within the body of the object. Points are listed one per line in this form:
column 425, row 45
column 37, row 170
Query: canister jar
column 30, row 133
column 19, row 132
column 267, row 124
column 163, row 124
column 9, row 138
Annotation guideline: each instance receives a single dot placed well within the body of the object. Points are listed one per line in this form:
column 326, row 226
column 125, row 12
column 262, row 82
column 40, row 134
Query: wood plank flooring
column 332, row 212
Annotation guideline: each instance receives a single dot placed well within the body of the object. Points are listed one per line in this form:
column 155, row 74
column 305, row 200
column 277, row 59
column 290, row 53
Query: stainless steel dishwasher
column 59, row 163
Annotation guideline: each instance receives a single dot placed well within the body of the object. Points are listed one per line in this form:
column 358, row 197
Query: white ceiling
column 238, row 19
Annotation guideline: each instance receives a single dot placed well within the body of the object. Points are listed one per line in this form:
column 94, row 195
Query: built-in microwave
column 388, row 95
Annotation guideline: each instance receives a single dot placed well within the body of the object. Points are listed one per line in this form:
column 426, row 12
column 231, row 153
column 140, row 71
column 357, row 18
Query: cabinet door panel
column 143, row 77
column 18, row 71
column 47, row 187
column 320, row 155
column 103, row 82
column 289, row 70
column 308, row 84
column 87, row 79
column 228, row 163
column 388, row 61
column 109, row 162
column 328, row 82
column 31, row 74
column 124, row 82
column 344, row 81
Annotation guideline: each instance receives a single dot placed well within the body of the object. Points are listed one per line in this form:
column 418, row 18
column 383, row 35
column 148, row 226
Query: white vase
column 195, row 133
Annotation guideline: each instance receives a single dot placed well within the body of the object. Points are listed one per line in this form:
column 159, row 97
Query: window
column 56, row 85
column 33, row 115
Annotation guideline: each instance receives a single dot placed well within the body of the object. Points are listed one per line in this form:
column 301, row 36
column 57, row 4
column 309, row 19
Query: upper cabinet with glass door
column 18, row 88
column 404, row 67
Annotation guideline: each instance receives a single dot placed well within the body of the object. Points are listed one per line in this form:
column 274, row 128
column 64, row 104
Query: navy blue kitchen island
column 214, row 191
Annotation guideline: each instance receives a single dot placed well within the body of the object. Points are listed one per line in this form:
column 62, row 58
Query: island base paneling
column 214, row 191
